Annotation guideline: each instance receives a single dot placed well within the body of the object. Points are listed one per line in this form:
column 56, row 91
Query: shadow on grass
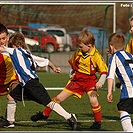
column 57, row 125
column 117, row 118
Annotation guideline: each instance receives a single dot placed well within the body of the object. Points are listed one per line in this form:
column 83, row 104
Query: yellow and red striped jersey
column 89, row 63
column 129, row 47
column 7, row 72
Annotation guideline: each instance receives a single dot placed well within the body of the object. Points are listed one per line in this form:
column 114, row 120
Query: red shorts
column 5, row 89
column 81, row 83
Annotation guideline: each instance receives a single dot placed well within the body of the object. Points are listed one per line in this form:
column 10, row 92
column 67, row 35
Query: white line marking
column 60, row 121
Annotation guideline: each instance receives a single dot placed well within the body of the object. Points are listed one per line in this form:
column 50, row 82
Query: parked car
column 32, row 45
column 65, row 40
column 47, row 42
column 74, row 41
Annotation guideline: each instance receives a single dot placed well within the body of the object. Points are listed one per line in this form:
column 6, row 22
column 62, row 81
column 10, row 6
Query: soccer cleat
column 6, row 124
column 95, row 125
column 72, row 122
column 38, row 116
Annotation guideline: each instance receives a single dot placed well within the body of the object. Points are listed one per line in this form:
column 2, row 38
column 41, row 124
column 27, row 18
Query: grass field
column 80, row 107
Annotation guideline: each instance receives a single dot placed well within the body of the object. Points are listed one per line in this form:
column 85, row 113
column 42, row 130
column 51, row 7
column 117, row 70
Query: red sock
column 97, row 113
column 47, row 111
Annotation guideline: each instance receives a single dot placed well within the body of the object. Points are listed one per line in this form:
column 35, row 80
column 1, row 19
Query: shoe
column 72, row 122
column 6, row 124
column 95, row 125
column 38, row 116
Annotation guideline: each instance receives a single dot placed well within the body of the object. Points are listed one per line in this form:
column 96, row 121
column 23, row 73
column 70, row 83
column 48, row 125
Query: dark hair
column 3, row 29
column 17, row 39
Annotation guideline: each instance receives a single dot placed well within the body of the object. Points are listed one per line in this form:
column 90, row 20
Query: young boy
column 8, row 77
column 85, row 62
column 121, row 64
column 29, row 86
column 129, row 47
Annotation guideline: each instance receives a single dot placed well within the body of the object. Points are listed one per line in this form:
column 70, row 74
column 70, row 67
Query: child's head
column 17, row 40
column 4, row 35
column 116, row 41
column 86, row 41
column 86, row 37
column 131, row 24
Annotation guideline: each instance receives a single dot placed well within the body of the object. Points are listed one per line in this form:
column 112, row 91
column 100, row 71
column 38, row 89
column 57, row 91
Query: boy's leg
column 45, row 114
column 126, row 121
column 11, row 109
column 96, row 109
column 71, row 118
column 125, row 107
column 9, row 119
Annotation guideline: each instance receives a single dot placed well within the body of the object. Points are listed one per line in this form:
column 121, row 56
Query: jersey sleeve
column 112, row 67
column 71, row 61
column 8, row 50
column 101, row 65
column 129, row 47
column 40, row 61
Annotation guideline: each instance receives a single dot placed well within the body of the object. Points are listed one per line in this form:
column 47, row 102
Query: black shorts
column 126, row 105
column 33, row 90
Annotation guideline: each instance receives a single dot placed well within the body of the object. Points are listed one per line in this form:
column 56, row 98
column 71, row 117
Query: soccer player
column 129, row 47
column 8, row 77
column 85, row 62
column 29, row 86
column 121, row 64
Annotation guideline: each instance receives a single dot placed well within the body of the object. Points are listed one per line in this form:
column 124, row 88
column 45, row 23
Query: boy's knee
column 9, row 98
column 55, row 99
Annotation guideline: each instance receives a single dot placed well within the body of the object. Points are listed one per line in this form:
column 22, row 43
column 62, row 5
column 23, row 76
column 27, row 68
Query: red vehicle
column 48, row 42
column 74, row 41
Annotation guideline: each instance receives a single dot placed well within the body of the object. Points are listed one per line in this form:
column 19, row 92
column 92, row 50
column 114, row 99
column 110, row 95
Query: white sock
column 126, row 122
column 11, row 109
column 58, row 109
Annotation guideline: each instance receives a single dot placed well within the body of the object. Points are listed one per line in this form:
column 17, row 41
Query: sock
column 126, row 121
column 47, row 111
column 97, row 113
column 11, row 109
column 58, row 109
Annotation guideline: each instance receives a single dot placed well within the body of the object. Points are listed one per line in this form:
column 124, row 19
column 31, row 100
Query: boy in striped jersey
column 121, row 64
column 25, row 63
column 85, row 62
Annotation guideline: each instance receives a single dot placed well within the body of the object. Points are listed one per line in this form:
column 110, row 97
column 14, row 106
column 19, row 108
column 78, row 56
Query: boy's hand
column 98, row 85
column 57, row 69
column 109, row 98
column 108, row 52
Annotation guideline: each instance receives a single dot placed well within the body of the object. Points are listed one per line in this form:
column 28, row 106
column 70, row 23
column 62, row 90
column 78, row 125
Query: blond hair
column 86, row 37
column 117, row 40
column 131, row 18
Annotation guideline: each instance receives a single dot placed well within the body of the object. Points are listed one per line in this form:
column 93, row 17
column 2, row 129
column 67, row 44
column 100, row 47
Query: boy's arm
column 101, row 81
column 41, row 62
column 110, row 86
column 53, row 67
column 7, row 50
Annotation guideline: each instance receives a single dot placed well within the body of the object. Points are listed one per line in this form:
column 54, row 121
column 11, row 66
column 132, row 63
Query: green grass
column 81, row 107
